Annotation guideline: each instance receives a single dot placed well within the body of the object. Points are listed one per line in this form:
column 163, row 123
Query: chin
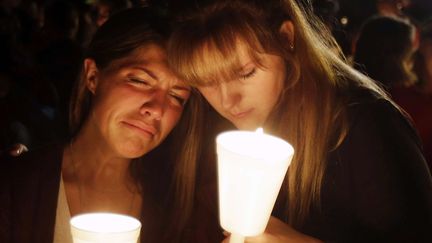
column 133, row 151
column 247, row 126
column 132, row 154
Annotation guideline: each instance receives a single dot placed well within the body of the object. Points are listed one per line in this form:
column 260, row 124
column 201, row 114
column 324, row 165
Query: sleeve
column 391, row 186
column 5, row 203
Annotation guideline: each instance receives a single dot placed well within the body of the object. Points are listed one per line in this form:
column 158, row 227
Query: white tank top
column 62, row 233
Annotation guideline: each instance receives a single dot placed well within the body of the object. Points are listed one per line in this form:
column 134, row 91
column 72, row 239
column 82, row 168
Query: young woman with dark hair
column 125, row 104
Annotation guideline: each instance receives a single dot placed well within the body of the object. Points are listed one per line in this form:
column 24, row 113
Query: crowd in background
column 42, row 43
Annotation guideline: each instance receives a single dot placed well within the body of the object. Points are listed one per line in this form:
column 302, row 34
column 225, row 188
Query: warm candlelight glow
column 251, row 169
column 260, row 130
column 256, row 145
column 104, row 227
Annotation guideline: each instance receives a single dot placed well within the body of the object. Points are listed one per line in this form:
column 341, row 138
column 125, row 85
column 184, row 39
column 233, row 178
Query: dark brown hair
column 120, row 36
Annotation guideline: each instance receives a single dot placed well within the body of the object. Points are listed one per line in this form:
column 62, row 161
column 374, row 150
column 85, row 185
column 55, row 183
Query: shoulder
column 364, row 100
column 382, row 166
column 382, row 154
column 43, row 159
column 379, row 130
column 30, row 172
column 29, row 187
column 370, row 112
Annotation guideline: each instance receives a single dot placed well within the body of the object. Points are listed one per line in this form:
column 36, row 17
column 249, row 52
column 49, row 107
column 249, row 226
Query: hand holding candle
column 251, row 169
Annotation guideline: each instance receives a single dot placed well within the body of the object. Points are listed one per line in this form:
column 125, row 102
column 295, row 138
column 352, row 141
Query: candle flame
column 260, row 130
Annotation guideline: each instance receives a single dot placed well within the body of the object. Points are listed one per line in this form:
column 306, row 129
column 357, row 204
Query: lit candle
column 104, row 227
column 251, row 169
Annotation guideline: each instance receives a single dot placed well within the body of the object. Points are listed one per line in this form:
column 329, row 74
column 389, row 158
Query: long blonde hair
column 311, row 111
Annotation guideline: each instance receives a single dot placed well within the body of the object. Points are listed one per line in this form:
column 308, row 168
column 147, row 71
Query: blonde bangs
column 213, row 56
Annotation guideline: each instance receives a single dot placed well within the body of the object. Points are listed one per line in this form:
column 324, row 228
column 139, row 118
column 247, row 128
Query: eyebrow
column 154, row 76
column 184, row 88
column 150, row 73
column 246, row 67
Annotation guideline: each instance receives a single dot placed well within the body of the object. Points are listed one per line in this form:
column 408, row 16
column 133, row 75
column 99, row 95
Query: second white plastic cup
column 104, row 228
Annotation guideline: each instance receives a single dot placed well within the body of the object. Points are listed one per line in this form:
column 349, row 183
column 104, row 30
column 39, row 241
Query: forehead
column 150, row 53
column 220, row 63
column 151, row 57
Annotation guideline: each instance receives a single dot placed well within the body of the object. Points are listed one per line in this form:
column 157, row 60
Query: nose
column 154, row 106
column 229, row 95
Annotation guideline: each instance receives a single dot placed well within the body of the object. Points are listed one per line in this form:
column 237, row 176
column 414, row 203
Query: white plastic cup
column 104, row 228
column 251, row 169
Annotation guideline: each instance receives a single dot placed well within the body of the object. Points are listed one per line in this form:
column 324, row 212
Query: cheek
column 171, row 119
column 278, row 76
column 274, row 91
column 98, row 110
column 211, row 95
column 112, row 106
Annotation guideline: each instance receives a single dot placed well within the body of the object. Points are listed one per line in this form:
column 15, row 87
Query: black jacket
column 28, row 196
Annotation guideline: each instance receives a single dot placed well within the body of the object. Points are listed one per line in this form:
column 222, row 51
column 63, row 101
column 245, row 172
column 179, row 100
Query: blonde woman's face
column 248, row 100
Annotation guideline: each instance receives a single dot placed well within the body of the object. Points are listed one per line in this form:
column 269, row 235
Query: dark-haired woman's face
column 137, row 101
column 248, row 100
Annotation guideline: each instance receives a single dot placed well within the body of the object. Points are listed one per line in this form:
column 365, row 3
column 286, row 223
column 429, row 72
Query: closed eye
column 179, row 99
column 249, row 74
column 139, row 81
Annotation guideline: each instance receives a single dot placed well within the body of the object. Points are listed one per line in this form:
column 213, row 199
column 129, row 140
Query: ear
column 287, row 30
column 91, row 74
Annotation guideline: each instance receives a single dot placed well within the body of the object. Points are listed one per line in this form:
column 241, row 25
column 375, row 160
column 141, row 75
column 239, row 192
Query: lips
column 141, row 126
column 241, row 114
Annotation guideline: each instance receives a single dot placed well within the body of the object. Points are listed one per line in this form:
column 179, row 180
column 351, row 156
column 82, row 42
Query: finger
column 226, row 240
column 17, row 150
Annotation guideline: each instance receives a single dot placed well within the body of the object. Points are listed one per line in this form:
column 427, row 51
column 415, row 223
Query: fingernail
column 24, row 148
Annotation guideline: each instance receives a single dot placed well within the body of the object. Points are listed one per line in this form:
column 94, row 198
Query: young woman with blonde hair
column 358, row 174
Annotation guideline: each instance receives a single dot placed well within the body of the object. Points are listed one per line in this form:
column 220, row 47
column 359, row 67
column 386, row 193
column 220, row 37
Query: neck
column 97, row 177
column 96, row 164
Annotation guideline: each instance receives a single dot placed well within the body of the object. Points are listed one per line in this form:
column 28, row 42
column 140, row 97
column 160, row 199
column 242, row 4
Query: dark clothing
column 28, row 199
column 29, row 188
column 377, row 186
column 419, row 106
